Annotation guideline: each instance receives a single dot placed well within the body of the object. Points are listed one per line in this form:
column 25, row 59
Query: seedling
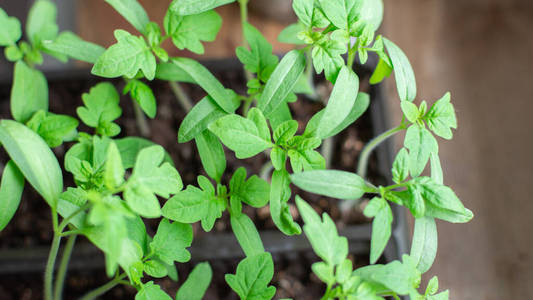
column 121, row 181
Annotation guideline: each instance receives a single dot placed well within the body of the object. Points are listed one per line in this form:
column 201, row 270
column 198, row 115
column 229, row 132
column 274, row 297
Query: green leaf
column 382, row 70
column 304, row 11
column 24, row 146
column 400, row 167
column 41, row 24
column 324, row 272
column 240, row 135
column 171, row 72
column 344, row 271
column 281, row 82
column 381, row 226
column 254, row 191
column 170, row 242
column 101, row 109
column 331, row 183
column 289, row 35
column 211, row 154
column 306, row 160
column 150, row 177
column 187, row 206
column 114, row 171
column 10, row 29
column 256, row 116
column 280, row 193
column 322, row 234
column 192, row 7
column 410, row 111
column 185, row 32
column 29, row 93
column 405, row 77
column 69, row 44
column 441, row 117
column 151, row 291
column 129, row 148
column 399, row 277
column 259, row 59
column 125, row 58
column 247, row 235
column 155, row 268
column 327, row 57
column 54, row 129
column 285, row 131
column 142, row 94
column 424, row 245
column 253, row 275
column 206, row 80
column 421, row 144
column 196, row 284
column 433, row 286
column 440, row 296
column 415, row 202
column 278, row 157
column 371, row 13
column 340, row 103
column 342, row 13
column 13, row 53
column 132, row 11
column 436, row 169
column 11, row 188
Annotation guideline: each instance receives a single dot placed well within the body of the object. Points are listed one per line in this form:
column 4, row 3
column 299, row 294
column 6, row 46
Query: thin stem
column 247, row 105
column 351, row 56
column 49, row 271
column 181, row 96
column 104, row 288
column 365, row 154
column 140, row 119
column 327, row 150
column 310, row 75
column 243, row 4
column 62, row 271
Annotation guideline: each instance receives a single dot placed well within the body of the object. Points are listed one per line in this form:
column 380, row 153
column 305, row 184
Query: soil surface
column 293, row 278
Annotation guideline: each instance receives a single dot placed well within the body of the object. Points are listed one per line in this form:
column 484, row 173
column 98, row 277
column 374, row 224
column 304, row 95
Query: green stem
column 181, row 96
column 243, row 4
column 247, row 105
column 140, row 119
column 49, row 271
column 62, row 271
column 310, row 75
column 351, row 56
column 365, row 154
column 104, row 288
column 67, row 220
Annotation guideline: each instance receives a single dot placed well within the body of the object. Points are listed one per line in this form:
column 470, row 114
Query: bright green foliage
column 280, row 193
column 151, row 291
column 441, row 117
column 129, row 147
column 69, row 44
column 10, row 30
column 11, row 188
column 132, row 11
column 247, row 235
column 253, row 275
column 101, row 109
column 196, row 284
column 332, row 183
column 400, row 167
column 420, row 143
column 424, row 245
column 405, row 77
column 54, row 129
column 142, row 94
column 170, row 241
column 342, row 13
column 113, row 170
column 29, row 93
column 186, row 32
column 259, row 59
column 254, row 191
column 380, row 210
column 191, row 7
column 327, row 57
column 211, row 154
column 41, row 24
column 125, row 58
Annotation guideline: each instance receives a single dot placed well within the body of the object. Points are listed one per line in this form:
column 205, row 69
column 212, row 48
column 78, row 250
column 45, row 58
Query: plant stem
column 104, row 288
column 140, row 119
column 351, row 56
column 49, row 271
column 243, row 4
column 327, row 150
column 181, row 96
column 310, row 75
column 365, row 154
column 62, row 271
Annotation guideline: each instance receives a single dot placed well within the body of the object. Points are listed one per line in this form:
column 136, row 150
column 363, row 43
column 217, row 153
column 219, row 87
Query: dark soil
column 31, row 225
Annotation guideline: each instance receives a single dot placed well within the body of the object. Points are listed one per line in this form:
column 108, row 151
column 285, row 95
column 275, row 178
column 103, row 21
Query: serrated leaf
column 306, row 160
column 10, row 29
column 196, row 284
column 327, row 57
column 398, row 277
column 281, row 82
column 424, row 245
column 304, row 11
column 187, row 206
column 405, row 77
column 247, row 235
column 132, row 11
column 185, row 32
column 29, row 93
column 324, row 272
column 171, row 240
column 69, row 44
column 259, row 58
column 142, row 94
column 129, row 148
column 420, row 143
column 322, row 234
column 400, row 166
column 11, row 188
column 101, row 109
column 41, row 24
column 126, row 57
column 151, row 291
column 211, row 154
column 342, row 13
column 191, row 7
column 441, row 117
column 331, row 183
column 285, row 131
column 253, row 275
column 280, row 193
column 54, row 129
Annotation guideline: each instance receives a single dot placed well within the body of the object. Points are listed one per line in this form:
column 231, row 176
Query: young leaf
column 399, row 277
column 280, row 193
column 151, row 291
column 29, row 93
column 142, row 94
column 41, row 24
column 371, row 13
column 342, row 99
column 24, row 146
column 192, row 7
column 381, row 226
column 304, row 10
column 196, row 284
column 187, row 206
column 259, row 59
column 281, row 82
column 101, row 109
column 405, row 77
column 342, row 13
column 247, row 235
column 382, row 70
column 69, row 44
column 129, row 148
column 132, row 11
column 171, row 72
column 440, row 296
column 331, row 183
column 306, row 160
column 170, row 242
column 256, row 116
column 240, row 135
column 125, row 58
column 289, row 35
column 441, row 117
column 400, row 167
column 421, row 144
column 208, row 82
column 410, row 111
column 327, row 57
column 322, row 234
column 113, row 171
column 10, row 29
column 424, row 245
column 186, row 32
column 253, row 275
column 54, row 129
column 324, row 272
column 155, row 268
column 436, row 169
column 285, row 131
column 211, row 154
column 11, row 188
